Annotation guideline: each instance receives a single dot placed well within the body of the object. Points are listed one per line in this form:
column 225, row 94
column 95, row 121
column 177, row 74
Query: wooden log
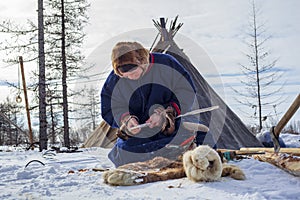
column 294, row 151
column 288, row 163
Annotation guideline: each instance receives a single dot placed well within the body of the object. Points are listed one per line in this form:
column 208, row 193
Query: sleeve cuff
column 176, row 107
column 123, row 116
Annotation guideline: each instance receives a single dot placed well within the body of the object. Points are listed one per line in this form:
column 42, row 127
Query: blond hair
column 126, row 52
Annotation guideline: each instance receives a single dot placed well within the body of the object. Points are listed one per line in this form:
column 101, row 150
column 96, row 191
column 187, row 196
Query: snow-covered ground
column 53, row 180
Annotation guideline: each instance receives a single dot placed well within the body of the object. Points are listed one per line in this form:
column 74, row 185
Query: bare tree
column 260, row 74
column 66, row 19
column 42, row 79
column 10, row 122
column 30, row 47
column 90, row 109
column 62, row 23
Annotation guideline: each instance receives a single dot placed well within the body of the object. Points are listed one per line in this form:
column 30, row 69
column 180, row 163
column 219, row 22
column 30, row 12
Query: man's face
column 134, row 75
column 131, row 70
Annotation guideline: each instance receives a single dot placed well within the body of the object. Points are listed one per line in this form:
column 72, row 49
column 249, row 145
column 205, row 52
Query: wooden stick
column 294, row 151
column 26, row 100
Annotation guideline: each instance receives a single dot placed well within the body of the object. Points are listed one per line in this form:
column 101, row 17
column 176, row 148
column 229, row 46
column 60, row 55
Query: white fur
column 202, row 164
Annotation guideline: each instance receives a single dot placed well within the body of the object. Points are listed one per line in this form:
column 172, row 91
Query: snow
column 53, row 180
column 291, row 140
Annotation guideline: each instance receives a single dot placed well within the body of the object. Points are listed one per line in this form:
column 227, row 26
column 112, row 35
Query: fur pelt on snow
column 201, row 164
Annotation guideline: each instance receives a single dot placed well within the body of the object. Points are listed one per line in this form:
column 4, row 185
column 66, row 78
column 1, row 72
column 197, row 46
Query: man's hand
column 133, row 123
column 164, row 118
column 168, row 126
column 155, row 120
column 128, row 122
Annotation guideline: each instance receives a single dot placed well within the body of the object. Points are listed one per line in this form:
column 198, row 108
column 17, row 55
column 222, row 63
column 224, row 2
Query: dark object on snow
column 266, row 139
column 68, row 150
column 226, row 128
column 32, row 161
column 33, row 145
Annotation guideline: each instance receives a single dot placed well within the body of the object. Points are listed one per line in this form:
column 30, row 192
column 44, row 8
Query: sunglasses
column 127, row 68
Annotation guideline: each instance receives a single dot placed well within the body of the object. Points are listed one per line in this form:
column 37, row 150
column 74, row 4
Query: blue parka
column 165, row 83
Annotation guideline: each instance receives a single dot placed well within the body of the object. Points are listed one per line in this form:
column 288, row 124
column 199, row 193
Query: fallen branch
column 34, row 161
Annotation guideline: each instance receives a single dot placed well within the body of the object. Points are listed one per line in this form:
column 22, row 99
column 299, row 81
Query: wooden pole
column 26, row 100
column 287, row 116
column 294, row 151
column 261, row 150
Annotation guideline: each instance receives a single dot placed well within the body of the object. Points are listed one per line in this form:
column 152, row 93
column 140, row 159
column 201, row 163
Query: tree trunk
column 42, row 89
column 52, row 124
column 257, row 68
column 64, row 78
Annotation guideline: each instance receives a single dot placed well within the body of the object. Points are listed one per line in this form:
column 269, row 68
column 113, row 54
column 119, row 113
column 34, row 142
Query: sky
column 217, row 29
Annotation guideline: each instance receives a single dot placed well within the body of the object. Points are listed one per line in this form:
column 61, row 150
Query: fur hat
column 127, row 52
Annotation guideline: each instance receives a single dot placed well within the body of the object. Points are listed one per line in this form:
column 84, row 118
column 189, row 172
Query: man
column 149, row 89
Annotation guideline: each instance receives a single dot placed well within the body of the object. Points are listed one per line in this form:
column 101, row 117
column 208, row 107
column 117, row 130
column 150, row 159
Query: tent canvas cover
column 226, row 128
